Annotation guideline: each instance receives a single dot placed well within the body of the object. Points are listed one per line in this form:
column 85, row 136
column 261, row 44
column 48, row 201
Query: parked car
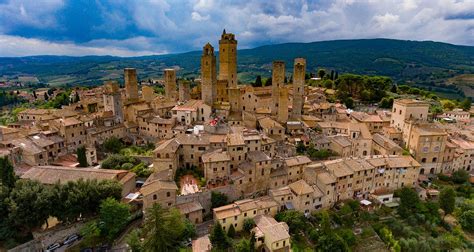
column 71, row 239
column 53, row 247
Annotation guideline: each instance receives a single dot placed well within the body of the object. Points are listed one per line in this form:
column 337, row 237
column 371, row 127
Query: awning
column 365, row 202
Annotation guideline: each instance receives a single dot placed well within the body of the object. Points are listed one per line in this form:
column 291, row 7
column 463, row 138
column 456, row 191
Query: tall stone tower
column 299, row 72
column 148, row 93
column 183, row 90
column 228, row 59
column 234, row 99
column 208, row 75
column 113, row 100
column 131, row 85
column 278, row 80
column 282, row 115
column 170, row 84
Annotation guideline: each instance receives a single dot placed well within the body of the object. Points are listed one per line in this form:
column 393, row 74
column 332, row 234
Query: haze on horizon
column 133, row 28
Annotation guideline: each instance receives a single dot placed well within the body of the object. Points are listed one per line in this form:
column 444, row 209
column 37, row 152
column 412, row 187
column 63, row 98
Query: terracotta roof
column 268, row 123
column 157, row 185
column 54, row 174
column 298, row 160
column 234, row 139
column 326, row 178
column 272, row 230
column 300, row 187
column 215, row 156
column 189, row 207
column 226, row 211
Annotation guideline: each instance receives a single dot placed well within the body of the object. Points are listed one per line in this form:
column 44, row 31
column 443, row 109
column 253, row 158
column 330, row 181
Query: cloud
column 196, row 16
column 181, row 25
column 13, row 46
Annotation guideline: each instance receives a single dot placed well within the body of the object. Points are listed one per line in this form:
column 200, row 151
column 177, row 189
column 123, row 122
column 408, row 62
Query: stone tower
column 228, row 59
column 299, row 72
column 170, row 84
column 183, row 90
column 234, row 99
column 282, row 115
column 148, row 93
column 208, row 75
column 113, row 100
column 278, row 80
column 131, row 85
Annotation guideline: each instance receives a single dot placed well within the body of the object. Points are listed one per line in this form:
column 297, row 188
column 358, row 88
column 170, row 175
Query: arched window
column 423, row 160
column 422, row 171
column 434, row 160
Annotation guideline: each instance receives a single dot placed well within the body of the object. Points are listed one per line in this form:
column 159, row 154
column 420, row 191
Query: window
column 154, row 197
column 168, row 194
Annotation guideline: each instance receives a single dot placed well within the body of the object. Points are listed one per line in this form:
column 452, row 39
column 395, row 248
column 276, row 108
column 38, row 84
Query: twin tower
column 223, row 88
column 218, row 88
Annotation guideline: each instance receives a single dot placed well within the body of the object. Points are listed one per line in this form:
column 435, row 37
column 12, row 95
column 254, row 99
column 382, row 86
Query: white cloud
column 196, row 16
column 176, row 26
column 13, row 46
column 33, row 13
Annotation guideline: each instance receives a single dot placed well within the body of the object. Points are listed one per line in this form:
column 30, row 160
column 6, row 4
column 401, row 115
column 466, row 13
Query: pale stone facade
column 131, row 84
column 208, row 75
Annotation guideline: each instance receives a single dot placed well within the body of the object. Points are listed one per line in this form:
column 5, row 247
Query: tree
column 189, row 230
column 465, row 104
column 328, row 84
column 81, row 156
column 7, row 173
column 133, row 241
column 46, row 97
column 29, row 204
column 447, row 199
column 219, row 239
column 467, row 220
column 448, row 105
column 321, row 73
column 162, row 230
column 295, row 220
column 331, row 242
column 258, row 81
column 394, row 88
column 408, row 201
column 300, row 148
column 90, row 233
column 460, row 176
column 332, row 75
column 243, row 245
column 231, row 231
column 77, row 98
column 113, row 145
column 114, row 216
column 34, row 95
column 249, row 223
column 349, row 102
column 268, row 82
column 218, row 199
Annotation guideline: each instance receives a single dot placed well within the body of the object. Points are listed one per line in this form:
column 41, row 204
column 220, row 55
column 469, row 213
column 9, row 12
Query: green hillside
column 427, row 64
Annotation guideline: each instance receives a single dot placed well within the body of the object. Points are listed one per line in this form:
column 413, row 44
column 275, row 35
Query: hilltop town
column 286, row 166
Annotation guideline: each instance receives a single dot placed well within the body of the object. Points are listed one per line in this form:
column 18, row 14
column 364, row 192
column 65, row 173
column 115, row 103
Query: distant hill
column 421, row 63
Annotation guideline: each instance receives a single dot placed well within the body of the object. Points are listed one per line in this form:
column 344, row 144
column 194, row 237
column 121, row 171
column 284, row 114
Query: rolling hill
column 420, row 63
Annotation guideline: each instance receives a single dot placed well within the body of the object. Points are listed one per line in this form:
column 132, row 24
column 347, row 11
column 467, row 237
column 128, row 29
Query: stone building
column 208, row 75
column 228, row 59
column 113, row 100
column 183, row 91
column 299, row 73
column 278, row 81
column 131, row 84
column 170, row 84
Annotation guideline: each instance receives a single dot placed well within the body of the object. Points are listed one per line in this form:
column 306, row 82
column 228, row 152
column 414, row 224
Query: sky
column 144, row 27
